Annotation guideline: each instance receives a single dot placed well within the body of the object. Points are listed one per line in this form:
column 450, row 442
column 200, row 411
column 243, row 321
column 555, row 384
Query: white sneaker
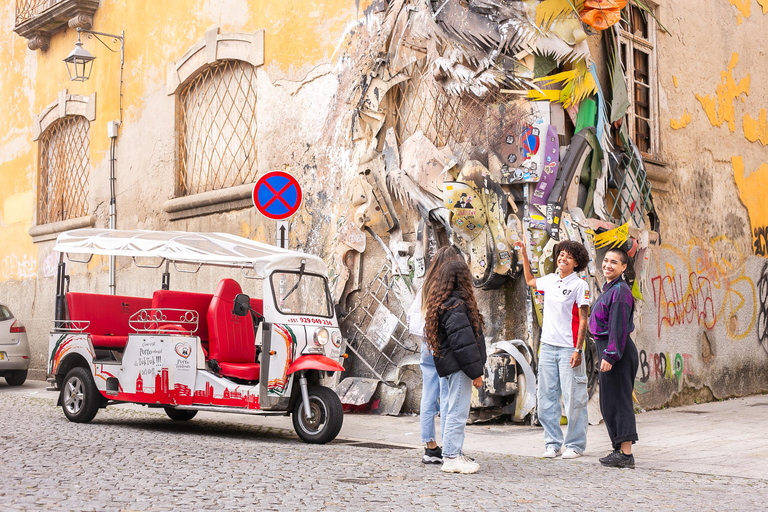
column 460, row 464
column 551, row 453
column 570, row 453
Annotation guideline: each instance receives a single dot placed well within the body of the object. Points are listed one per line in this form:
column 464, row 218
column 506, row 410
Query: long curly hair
column 442, row 256
column 453, row 276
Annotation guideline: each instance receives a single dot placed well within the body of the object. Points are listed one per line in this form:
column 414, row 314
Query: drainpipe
column 112, row 127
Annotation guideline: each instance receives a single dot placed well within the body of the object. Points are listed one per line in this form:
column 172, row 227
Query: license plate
column 3, row 357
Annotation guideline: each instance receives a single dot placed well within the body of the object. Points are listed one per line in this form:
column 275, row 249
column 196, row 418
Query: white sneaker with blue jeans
column 556, row 377
column 456, row 411
column 434, row 393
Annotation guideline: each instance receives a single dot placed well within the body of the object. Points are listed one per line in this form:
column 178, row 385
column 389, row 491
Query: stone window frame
column 647, row 46
column 65, row 105
column 215, row 47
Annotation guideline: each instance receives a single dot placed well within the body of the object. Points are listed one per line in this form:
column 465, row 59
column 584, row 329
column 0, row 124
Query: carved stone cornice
column 66, row 13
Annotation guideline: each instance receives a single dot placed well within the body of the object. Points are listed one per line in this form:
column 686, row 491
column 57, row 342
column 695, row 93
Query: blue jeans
column 456, row 413
column 556, row 377
column 434, row 394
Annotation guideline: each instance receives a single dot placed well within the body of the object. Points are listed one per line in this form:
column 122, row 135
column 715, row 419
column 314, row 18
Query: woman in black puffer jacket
column 454, row 331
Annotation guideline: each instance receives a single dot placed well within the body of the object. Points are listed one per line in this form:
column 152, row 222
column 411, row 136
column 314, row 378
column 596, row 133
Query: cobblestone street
column 128, row 460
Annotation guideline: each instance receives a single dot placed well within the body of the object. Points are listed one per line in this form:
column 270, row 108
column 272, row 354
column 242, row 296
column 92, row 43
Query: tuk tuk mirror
column 242, row 305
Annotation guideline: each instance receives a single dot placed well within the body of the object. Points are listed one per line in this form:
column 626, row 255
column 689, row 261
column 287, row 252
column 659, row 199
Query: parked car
column 14, row 348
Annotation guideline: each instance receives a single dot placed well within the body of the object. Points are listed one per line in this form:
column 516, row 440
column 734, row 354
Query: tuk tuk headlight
column 336, row 339
column 321, row 336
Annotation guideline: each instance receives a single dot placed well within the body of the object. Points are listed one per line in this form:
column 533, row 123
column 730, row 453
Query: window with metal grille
column 638, row 56
column 217, row 128
column 64, row 170
column 421, row 104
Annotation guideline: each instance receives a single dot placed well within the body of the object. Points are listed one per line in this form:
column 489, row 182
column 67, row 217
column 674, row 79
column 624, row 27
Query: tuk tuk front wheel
column 80, row 398
column 326, row 419
column 179, row 414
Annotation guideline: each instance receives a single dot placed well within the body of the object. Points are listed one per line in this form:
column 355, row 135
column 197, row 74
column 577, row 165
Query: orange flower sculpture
column 601, row 14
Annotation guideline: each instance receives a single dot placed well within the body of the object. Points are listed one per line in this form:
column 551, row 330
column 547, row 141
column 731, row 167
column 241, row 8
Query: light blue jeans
column 556, row 377
column 456, row 413
column 434, row 393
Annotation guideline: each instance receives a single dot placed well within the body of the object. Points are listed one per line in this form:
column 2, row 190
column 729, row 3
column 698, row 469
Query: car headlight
column 321, row 336
column 336, row 339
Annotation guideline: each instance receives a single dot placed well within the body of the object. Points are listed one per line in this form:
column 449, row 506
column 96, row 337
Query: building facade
column 372, row 106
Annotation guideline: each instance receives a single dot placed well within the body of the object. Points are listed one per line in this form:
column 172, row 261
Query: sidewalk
column 720, row 438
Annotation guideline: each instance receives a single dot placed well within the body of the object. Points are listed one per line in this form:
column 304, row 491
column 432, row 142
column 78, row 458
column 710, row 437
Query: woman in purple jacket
column 610, row 324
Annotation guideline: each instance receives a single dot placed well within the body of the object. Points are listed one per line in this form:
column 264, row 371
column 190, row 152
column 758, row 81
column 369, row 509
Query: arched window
column 64, row 170
column 217, row 128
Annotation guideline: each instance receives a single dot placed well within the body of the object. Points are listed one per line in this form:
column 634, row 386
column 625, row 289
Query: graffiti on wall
column 702, row 284
column 761, row 240
column 664, row 366
column 49, row 264
column 14, row 268
column 762, row 316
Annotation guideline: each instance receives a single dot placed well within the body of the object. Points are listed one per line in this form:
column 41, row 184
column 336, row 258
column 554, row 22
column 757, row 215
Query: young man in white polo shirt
column 561, row 370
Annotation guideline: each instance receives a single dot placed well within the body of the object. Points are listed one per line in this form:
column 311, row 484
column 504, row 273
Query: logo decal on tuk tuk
column 183, row 349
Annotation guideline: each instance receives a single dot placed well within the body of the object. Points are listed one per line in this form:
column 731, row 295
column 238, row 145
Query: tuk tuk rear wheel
column 326, row 420
column 179, row 414
column 80, row 398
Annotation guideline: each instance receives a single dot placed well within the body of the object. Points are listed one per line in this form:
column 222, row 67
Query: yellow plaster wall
column 297, row 39
column 728, row 118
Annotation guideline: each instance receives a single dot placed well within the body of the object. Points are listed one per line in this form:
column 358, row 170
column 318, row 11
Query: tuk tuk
column 186, row 351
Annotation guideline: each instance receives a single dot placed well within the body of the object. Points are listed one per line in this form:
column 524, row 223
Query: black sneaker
column 618, row 459
column 432, row 455
column 608, row 457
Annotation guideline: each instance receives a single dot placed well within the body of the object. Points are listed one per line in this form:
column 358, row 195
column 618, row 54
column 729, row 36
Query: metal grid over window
column 217, row 128
column 27, row 9
column 638, row 57
column 64, row 170
column 421, row 104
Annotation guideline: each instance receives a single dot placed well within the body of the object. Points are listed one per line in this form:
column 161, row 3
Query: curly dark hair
column 576, row 250
column 454, row 275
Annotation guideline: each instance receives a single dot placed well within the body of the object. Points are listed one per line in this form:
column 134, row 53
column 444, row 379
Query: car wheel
column 179, row 414
column 327, row 416
column 80, row 399
column 15, row 377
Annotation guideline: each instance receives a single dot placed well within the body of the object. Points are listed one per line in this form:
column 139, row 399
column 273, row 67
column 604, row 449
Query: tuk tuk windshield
column 301, row 294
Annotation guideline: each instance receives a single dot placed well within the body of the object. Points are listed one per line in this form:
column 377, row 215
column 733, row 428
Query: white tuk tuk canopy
column 181, row 246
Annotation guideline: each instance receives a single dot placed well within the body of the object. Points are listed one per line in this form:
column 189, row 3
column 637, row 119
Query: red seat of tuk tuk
column 108, row 316
column 232, row 340
column 198, row 302
column 258, row 306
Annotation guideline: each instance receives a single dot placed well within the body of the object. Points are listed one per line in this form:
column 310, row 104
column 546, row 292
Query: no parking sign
column 277, row 195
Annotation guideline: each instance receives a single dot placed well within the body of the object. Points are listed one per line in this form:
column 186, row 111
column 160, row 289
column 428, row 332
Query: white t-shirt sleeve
column 542, row 283
column 582, row 293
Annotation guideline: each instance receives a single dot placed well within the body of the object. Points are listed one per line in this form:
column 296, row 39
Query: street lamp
column 80, row 61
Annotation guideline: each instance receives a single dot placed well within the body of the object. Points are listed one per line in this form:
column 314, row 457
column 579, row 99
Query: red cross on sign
column 277, row 195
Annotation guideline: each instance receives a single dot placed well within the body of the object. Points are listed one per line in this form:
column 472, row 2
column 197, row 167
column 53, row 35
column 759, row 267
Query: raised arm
column 529, row 278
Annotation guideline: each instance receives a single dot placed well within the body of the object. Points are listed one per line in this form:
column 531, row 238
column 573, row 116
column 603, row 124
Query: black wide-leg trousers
column 616, row 387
